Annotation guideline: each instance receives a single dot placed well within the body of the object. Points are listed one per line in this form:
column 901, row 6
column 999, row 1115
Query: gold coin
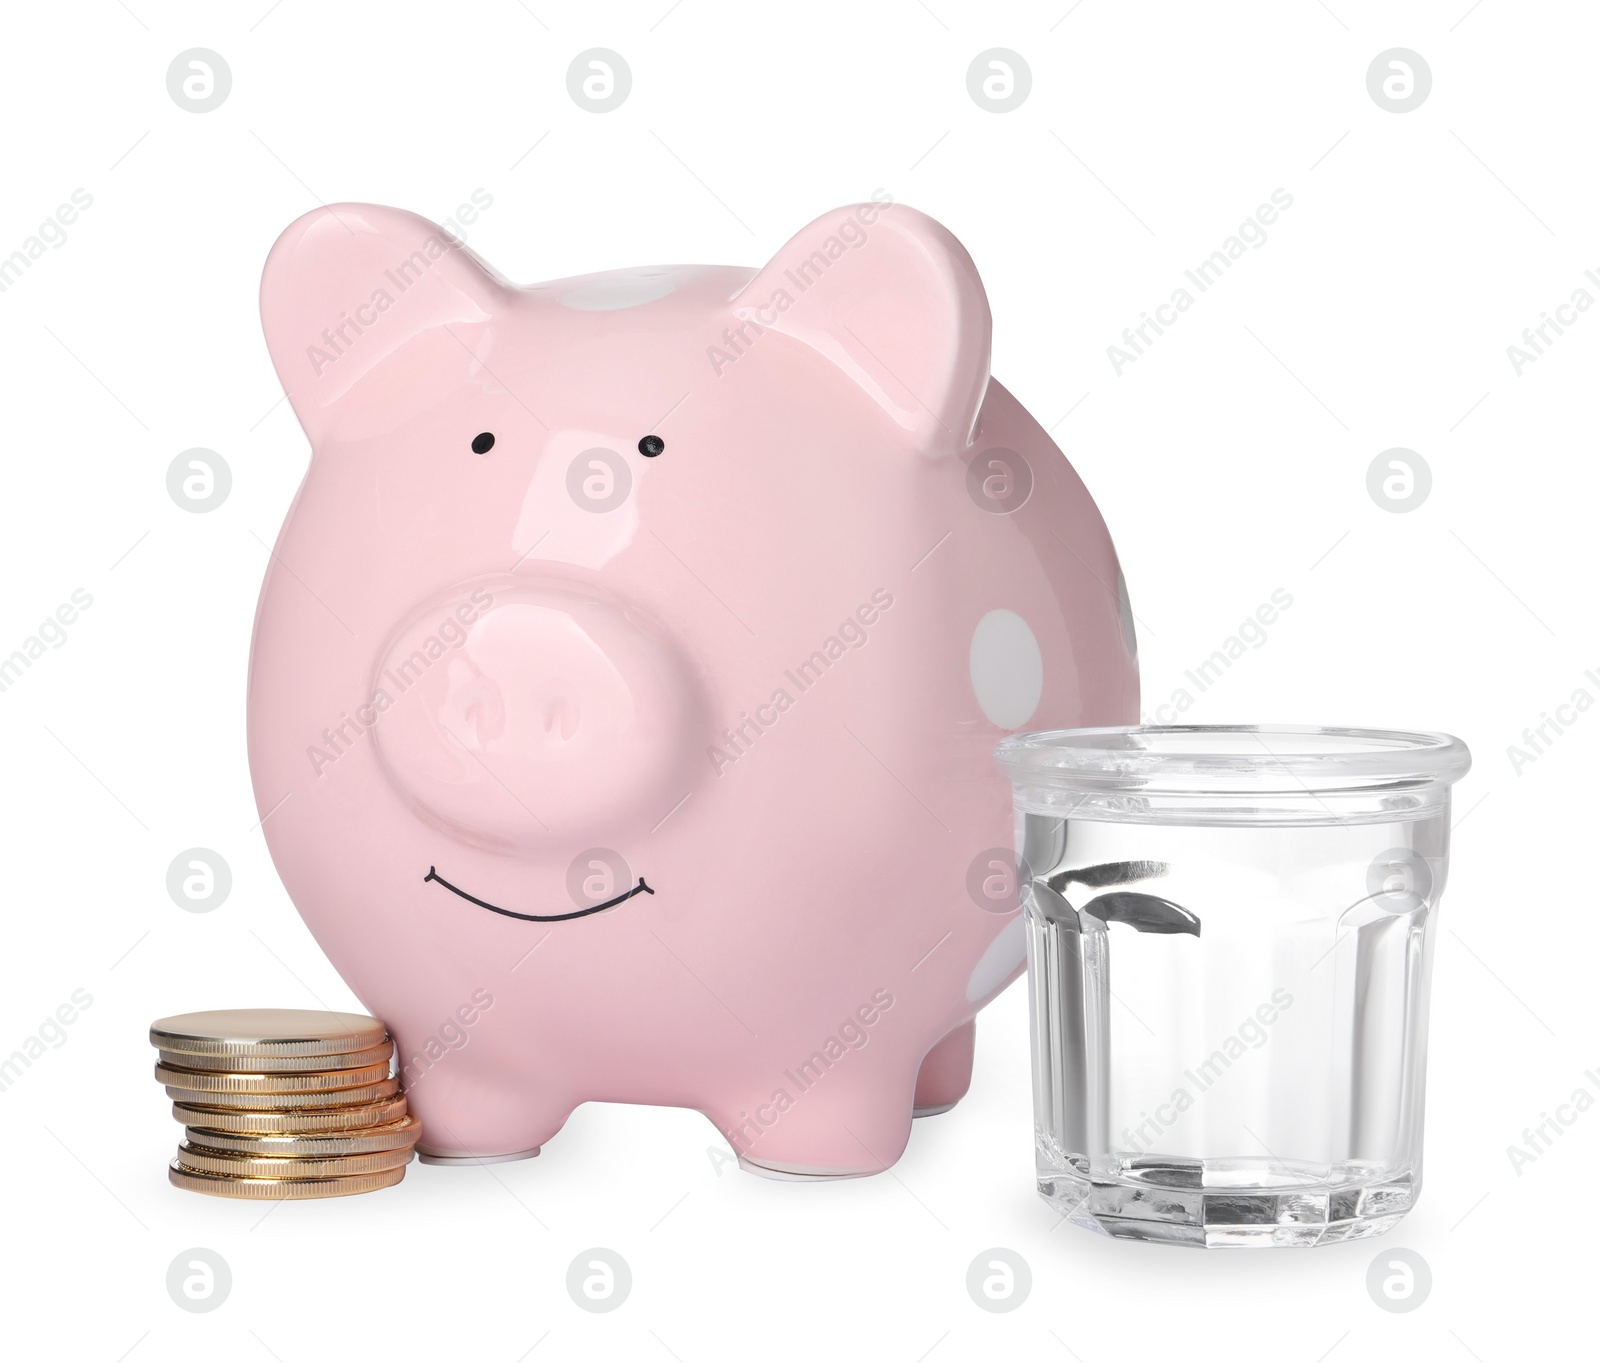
column 276, row 1102
column 278, row 1064
column 307, row 1081
column 199, row 1160
column 281, row 1189
column 267, row 1031
column 331, row 1145
column 292, row 1121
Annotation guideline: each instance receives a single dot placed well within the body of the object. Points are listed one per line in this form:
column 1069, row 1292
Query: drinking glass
column 1230, row 933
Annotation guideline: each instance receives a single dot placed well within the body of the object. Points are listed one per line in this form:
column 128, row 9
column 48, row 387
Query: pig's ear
column 371, row 314
column 890, row 297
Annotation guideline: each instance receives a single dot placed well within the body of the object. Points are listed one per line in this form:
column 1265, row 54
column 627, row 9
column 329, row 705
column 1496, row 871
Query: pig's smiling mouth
column 537, row 917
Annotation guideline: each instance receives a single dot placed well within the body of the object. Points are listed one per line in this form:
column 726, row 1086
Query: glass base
column 1242, row 1203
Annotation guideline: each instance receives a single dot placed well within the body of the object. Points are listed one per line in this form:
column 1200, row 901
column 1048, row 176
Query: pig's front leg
column 850, row 1121
column 469, row 1118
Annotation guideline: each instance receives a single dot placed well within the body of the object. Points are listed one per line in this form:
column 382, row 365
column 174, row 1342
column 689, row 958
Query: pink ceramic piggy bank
column 627, row 671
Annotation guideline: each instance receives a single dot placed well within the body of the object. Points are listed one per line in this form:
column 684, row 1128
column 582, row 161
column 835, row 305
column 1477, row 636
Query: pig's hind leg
column 946, row 1072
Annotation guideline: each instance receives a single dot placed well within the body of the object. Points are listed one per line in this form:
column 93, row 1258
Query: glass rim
column 1233, row 759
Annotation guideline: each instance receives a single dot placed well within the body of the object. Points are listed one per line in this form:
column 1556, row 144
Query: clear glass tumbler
column 1230, row 932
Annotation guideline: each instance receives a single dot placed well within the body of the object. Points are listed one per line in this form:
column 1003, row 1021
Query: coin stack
column 281, row 1103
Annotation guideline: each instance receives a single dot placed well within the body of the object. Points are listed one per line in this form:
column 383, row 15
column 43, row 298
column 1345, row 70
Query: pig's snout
column 531, row 715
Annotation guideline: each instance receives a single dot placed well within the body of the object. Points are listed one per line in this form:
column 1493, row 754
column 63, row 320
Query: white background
column 1229, row 460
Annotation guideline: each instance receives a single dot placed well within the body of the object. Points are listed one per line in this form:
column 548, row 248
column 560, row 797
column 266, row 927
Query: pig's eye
column 651, row 446
column 483, row 442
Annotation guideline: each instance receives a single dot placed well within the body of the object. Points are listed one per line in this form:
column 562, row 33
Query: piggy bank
column 627, row 670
